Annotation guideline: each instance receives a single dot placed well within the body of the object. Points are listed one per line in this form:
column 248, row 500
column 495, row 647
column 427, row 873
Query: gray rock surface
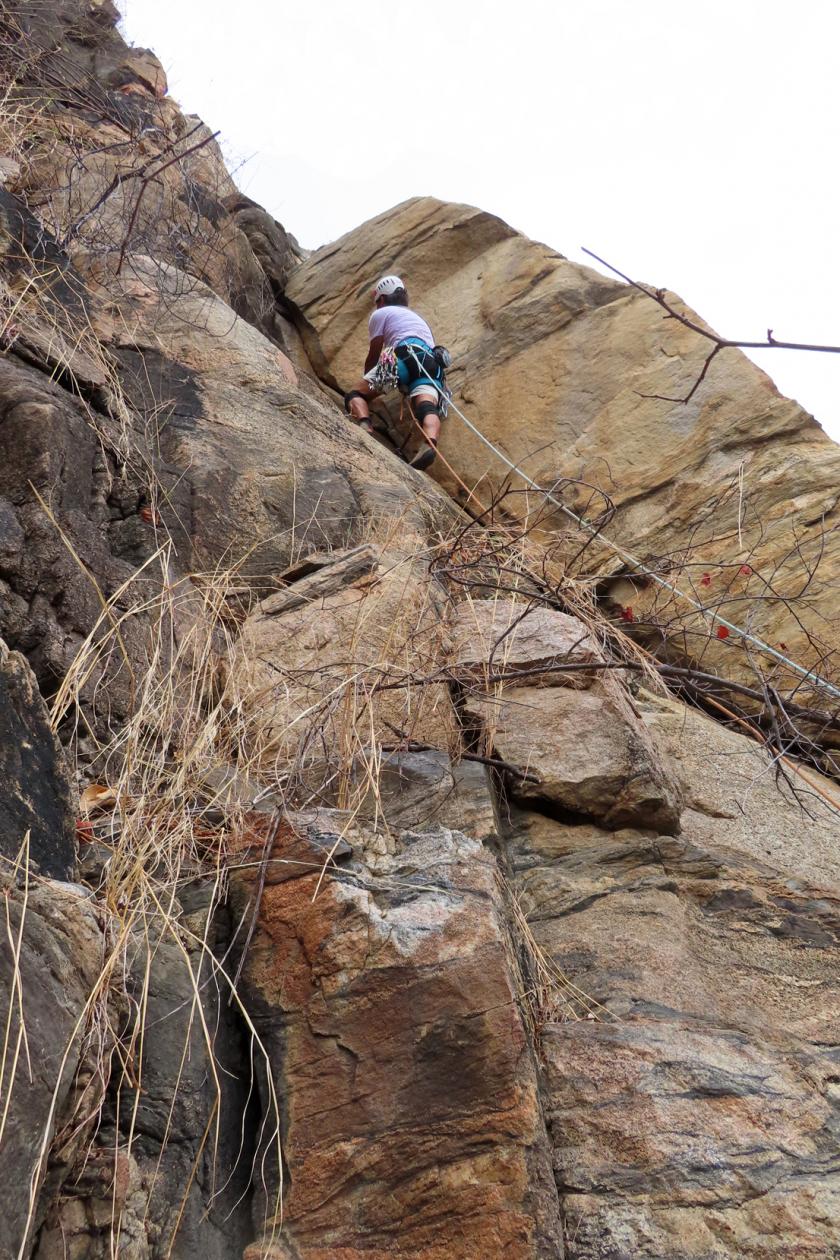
column 422, row 790
column 36, row 796
column 169, row 1168
column 695, row 1114
column 588, row 750
column 732, row 796
column 54, row 933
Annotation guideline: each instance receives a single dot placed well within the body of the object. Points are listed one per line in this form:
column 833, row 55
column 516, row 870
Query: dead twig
column 495, row 762
column 720, row 343
column 145, row 184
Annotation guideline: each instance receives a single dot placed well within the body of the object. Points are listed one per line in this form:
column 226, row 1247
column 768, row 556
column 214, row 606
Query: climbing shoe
column 367, row 426
column 424, row 458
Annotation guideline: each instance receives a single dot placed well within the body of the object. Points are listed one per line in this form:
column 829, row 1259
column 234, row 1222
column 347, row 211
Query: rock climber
column 402, row 356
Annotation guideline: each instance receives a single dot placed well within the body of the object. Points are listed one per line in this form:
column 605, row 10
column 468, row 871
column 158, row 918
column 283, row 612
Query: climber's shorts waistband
column 413, row 379
column 398, row 369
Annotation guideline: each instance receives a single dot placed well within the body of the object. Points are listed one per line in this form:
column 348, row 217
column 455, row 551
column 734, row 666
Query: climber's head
column 390, row 291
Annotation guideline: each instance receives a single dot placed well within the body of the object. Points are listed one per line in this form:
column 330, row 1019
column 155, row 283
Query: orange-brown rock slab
column 411, row 1112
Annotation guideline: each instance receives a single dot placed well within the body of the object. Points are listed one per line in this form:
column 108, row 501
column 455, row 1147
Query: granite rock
column 412, row 1118
column 577, row 378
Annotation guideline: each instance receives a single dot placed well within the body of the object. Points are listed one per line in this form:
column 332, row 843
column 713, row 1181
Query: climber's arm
column 374, row 352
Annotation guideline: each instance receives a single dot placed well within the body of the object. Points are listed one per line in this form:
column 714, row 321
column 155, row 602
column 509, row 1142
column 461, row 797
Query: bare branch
column 154, row 174
column 721, row 343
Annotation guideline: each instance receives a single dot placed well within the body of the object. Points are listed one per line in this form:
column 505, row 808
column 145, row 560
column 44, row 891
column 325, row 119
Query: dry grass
column 551, row 997
column 11, row 1055
column 184, row 725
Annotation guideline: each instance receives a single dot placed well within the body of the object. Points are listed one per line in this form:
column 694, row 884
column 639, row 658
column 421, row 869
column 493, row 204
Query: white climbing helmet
column 386, row 286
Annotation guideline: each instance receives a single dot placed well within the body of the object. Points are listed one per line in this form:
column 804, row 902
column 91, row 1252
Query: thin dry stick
column 720, row 343
column 178, row 157
column 332, row 851
column 791, row 765
column 214, row 1114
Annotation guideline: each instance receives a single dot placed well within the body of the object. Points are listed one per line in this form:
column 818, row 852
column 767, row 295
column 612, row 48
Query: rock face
column 36, row 797
column 422, row 930
column 721, row 1094
column 267, row 470
column 732, row 800
column 414, row 1124
column 588, row 752
column 701, row 1121
column 559, row 367
column 54, row 934
column 164, row 401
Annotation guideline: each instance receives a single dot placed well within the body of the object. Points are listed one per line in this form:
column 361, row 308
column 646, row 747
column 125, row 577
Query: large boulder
column 582, row 747
column 587, row 752
column 502, row 637
column 70, row 536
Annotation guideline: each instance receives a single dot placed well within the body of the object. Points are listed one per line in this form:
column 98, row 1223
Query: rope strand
column 639, row 566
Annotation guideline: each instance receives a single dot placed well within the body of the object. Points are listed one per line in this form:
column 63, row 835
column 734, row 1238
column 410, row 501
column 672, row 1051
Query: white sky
column 691, row 144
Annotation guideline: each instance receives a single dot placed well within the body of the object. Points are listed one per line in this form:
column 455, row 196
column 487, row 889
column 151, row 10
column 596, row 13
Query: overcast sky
column 692, row 145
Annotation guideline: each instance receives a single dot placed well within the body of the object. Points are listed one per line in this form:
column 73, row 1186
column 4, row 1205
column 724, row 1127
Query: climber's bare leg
column 431, row 424
column 359, row 409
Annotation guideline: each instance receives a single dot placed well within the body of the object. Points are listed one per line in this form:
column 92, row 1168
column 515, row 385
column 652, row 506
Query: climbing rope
column 638, row 565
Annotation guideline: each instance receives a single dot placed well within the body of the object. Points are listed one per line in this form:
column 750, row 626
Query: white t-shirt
column 395, row 323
